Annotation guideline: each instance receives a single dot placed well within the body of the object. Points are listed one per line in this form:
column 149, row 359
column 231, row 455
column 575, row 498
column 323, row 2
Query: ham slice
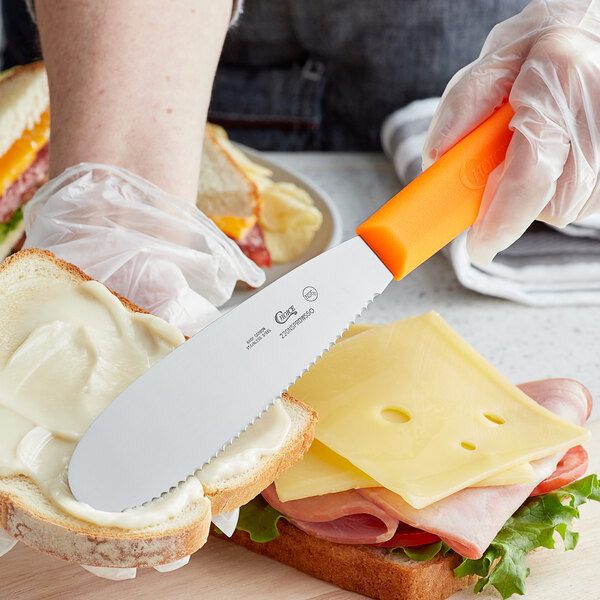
column 343, row 517
column 469, row 520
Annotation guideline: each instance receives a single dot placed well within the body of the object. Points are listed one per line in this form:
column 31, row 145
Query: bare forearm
column 130, row 83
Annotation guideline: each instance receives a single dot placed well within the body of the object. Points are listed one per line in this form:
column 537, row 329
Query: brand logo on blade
column 475, row 171
column 283, row 315
column 310, row 293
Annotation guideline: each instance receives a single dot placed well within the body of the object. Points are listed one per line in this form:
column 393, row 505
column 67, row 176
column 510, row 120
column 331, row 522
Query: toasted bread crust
column 252, row 189
column 18, row 69
column 366, row 570
column 75, row 273
column 250, row 192
column 80, row 542
column 229, row 497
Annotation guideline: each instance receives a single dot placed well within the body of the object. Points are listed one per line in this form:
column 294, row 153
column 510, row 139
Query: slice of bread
column 234, row 492
column 9, row 242
column 26, row 514
column 224, row 190
column 24, row 96
column 368, row 570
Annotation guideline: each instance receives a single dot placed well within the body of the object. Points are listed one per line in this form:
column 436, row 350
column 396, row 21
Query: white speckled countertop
column 525, row 343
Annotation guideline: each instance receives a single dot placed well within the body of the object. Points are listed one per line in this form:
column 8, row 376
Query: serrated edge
column 268, row 406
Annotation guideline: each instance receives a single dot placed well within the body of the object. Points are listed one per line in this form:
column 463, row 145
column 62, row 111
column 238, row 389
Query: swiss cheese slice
column 522, row 473
column 321, row 471
column 418, row 410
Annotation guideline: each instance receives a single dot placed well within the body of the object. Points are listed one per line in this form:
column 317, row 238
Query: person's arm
column 130, row 83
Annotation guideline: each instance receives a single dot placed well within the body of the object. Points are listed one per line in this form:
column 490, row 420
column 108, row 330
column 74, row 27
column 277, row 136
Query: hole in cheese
column 494, row 419
column 395, row 415
column 468, row 446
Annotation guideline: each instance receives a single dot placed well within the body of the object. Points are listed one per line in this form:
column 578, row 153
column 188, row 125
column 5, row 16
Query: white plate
column 329, row 235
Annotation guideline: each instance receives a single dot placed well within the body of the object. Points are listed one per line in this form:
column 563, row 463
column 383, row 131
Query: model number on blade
column 298, row 321
column 257, row 337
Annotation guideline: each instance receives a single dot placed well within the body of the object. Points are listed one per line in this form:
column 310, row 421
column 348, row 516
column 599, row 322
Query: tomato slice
column 572, row 466
column 408, row 537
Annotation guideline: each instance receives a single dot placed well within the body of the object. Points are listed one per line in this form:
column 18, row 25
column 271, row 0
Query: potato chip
column 285, row 206
column 287, row 246
column 289, row 220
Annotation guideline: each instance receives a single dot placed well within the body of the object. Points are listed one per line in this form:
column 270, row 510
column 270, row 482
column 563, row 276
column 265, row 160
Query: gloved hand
column 158, row 250
column 546, row 61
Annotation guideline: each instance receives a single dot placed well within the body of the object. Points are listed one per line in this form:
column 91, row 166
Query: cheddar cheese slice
column 23, row 152
column 234, row 227
column 414, row 407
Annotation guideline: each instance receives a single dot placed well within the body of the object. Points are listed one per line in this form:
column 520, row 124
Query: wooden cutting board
column 222, row 570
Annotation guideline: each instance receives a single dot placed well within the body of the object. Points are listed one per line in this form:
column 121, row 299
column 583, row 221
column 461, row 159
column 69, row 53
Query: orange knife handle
column 442, row 202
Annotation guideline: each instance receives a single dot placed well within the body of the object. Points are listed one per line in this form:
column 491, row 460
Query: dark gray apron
column 323, row 74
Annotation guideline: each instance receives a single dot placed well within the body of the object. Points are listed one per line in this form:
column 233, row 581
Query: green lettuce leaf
column 532, row 526
column 421, row 553
column 259, row 519
column 6, row 228
column 503, row 564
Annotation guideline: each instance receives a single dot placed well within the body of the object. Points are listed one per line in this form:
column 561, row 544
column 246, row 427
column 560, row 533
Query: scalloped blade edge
column 192, row 404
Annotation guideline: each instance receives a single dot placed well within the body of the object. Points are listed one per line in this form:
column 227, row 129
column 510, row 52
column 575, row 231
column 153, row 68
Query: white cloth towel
column 546, row 267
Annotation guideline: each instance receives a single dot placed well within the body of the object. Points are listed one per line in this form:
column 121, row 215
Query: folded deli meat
column 413, row 398
column 467, row 521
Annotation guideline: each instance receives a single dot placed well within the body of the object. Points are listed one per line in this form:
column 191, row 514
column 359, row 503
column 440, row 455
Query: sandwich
column 430, row 472
column 231, row 199
column 268, row 220
column 271, row 221
column 68, row 346
column 24, row 134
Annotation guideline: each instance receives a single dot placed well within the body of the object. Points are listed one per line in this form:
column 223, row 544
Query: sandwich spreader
column 194, row 402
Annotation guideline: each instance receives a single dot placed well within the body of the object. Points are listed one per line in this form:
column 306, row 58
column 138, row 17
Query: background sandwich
column 230, row 198
column 24, row 134
column 270, row 221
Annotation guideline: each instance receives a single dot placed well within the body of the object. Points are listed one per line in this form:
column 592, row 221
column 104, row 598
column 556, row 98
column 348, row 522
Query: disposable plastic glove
column 153, row 248
column 546, row 61
column 158, row 250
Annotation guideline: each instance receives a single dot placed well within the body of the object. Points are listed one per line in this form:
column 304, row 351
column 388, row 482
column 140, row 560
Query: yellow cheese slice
column 23, row 152
column 234, row 227
column 413, row 406
column 355, row 329
column 522, row 473
column 321, row 471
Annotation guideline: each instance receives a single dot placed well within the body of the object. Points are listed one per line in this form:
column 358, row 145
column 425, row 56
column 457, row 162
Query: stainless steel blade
column 195, row 401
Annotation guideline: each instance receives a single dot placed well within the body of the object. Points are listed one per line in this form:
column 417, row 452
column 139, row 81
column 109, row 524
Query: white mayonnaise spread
column 65, row 354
